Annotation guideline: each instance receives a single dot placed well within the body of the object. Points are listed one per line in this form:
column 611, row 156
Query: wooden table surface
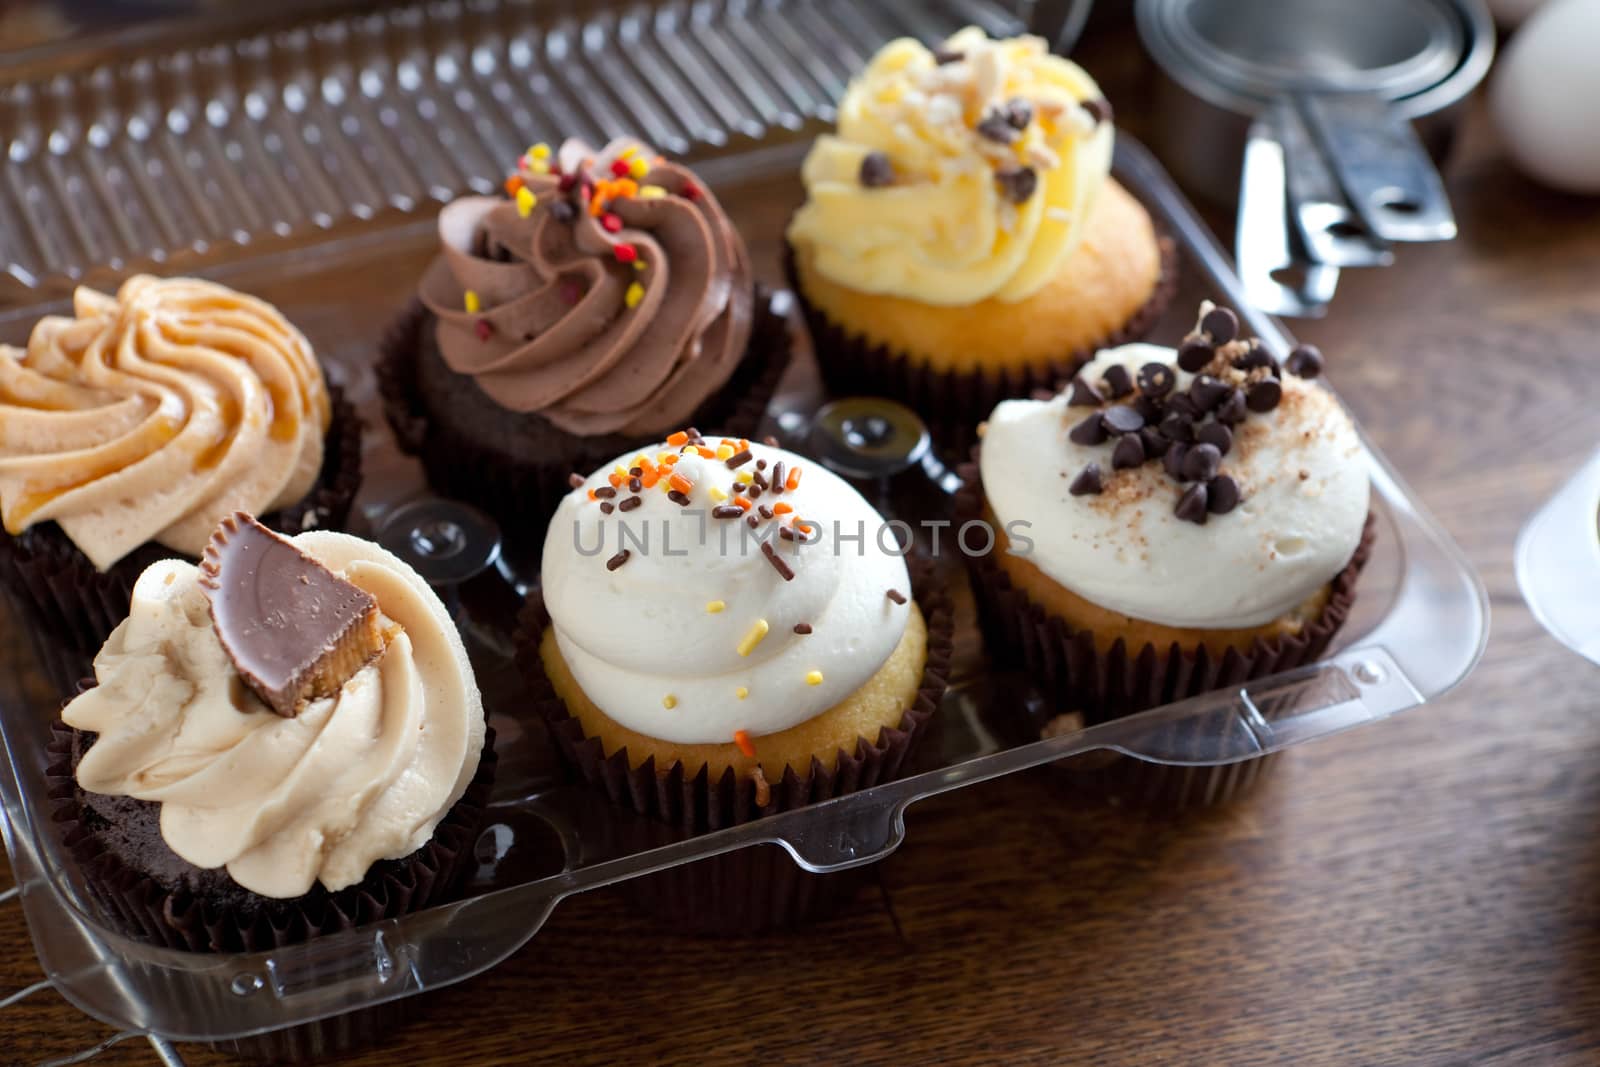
column 1426, row 890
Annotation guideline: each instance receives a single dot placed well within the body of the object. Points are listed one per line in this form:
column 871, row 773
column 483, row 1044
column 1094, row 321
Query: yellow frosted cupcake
column 962, row 240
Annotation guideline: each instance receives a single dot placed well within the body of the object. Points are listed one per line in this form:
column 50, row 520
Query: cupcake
column 284, row 741
column 1172, row 522
column 961, row 239
column 725, row 630
column 131, row 428
column 604, row 302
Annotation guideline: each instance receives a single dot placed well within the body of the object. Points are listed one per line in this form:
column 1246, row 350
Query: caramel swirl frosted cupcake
column 961, row 239
column 722, row 633
column 285, row 741
column 604, row 301
column 128, row 430
column 1172, row 522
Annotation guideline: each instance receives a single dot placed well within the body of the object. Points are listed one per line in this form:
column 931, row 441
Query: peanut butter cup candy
column 131, row 427
column 1172, row 522
column 284, row 741
column 602, row 302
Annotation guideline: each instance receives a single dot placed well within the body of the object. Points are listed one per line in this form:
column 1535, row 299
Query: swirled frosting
column 282, row 803
column 692, row 635
column 955, row 175
column 1303, row 496
column 608, row 294
column 150, row 415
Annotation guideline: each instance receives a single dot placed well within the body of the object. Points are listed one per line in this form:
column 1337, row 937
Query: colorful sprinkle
column 754, row 637
column 539, row 151
column 638, row 168
column 781, row 509
column 611, row 222
column 679, row 438
column 513, row 185
column 473, row 304
column 634, row 294
column 619, row 167
column 669, row 701
column 742, row 739
column 690, row 190
column 741, row 692
column 793, row 481
column 651, row 192
column 526, row 201
column 717, row 494
column 625, row 253
column 484, row 329
column 714, row 607
column 680, row 483
column 813, row 677
column 724, row 451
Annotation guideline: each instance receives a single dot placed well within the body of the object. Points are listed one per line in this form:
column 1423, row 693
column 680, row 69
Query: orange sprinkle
column 670, row 461
column 743, row 503
column 742, row 739
column 513, row 184
column 646, row 466
column 803, row 526
column 781, row 509
column 793, row 481
column 650, row 477
column 625, row 188
column 615, row 479
column 681, row 484
column 744, row 443
column 592, row 496
column 730, row 442
column 705, row 453
column 679, row 438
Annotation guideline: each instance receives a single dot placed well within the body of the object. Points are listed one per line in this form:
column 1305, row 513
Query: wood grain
column 1422, row 891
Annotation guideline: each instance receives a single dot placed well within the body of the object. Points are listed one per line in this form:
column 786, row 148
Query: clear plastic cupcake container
column 759, row 75
column 1558, row 562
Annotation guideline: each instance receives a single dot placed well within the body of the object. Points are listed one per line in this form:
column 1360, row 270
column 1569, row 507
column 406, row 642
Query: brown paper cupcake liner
column 63, row 595
column 953, row 403
column 522, row 494
column 136, row 904
column 1119, row 680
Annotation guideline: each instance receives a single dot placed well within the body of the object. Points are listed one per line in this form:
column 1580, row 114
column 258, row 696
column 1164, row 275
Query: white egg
column 1544, row 93
column 1510, row 13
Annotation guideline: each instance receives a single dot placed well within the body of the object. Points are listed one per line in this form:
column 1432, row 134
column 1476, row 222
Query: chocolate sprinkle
column 1156, row 379
column 1128, row 453
column 751, row 520
column 1194, row 353
column 1222, row 494
column 996, row 127
column 876, row 170
column 802, row 628
column 739, row 459
column 1099, row 109
column 943, row 56
column 1087, row 483
column 629, row 503
column 777, row 561
column 1232, row 410
column 575, row 480
column 766, row 512
column 619, row 559
column 777, row 477
column 1264, row 395
column 679, row 498
column 897, row 596
column 607, row 507
column 1117, row 381
column 634, row 484
column 1084, row 395
column 1016, row 183
column 1192, row 505
column 1091, row 431
column 1221, row 324
column 1018, row 112
column 605, row 492
column 1304, row 362
column 1216, row 435
column 1172, row 462
column 1122, row 418
column 770, row 441
column 726, row 511
column 1207, row 392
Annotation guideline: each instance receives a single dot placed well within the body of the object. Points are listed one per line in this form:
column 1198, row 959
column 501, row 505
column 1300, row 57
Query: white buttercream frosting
column 655, row 643
column 362, row 776
column 1304, row 485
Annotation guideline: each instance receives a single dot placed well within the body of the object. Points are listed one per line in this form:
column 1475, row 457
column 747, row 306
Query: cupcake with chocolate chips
column 603, row 302
column 723, row 633
column 961, row 240
column 1171, row 522
column 284, row 741
column 130, row 428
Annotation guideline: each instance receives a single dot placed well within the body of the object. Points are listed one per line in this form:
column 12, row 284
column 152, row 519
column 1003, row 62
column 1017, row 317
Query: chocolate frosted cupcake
column 604, row 302
column 128, row 430
column 961, row 239
column 1173, row 522
column 283, row 742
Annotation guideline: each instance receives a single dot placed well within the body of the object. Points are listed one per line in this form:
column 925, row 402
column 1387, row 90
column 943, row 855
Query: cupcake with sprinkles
column 132, row 426
column 603, row 301
column 1172, row 522
column 725, row 631
column 962, row 240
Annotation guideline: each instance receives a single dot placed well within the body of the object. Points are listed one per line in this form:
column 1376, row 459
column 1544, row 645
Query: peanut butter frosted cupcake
column 961, row 239
column 283, row 742
column 131, row 428
column 722, row 633
column 605, row 301
column 1172, row 522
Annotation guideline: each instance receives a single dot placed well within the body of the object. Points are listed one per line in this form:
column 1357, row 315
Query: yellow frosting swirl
column 952, row 227
column 150, row 415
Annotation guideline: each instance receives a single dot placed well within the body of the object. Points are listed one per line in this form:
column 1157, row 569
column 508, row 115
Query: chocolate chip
column 996, row 127
column 1222, row 494
column 1172, row 462
column 1155, row 442
column 1194, row 354
column 1207, row 392
column 1090, row 431
column 1156, row 379
column 1151, row 408
column 1084, row 395
column 1216, row 434
column 876, row 170
column 941, row 56
column 1117, row 381
column 1121, row 418
column 1180, row 404
column 1201, row 463
column 1222, row 324
column 1304, row 362
column 1192, row 505
column 1257, row 356
column 1128, row 453
column 1264, row 395
column 563, row 211
column 1018, row 112
column 1178, row 426
column 1016, row 183
column 1232, row 410
column 1099, row 109
column 1087, row 483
